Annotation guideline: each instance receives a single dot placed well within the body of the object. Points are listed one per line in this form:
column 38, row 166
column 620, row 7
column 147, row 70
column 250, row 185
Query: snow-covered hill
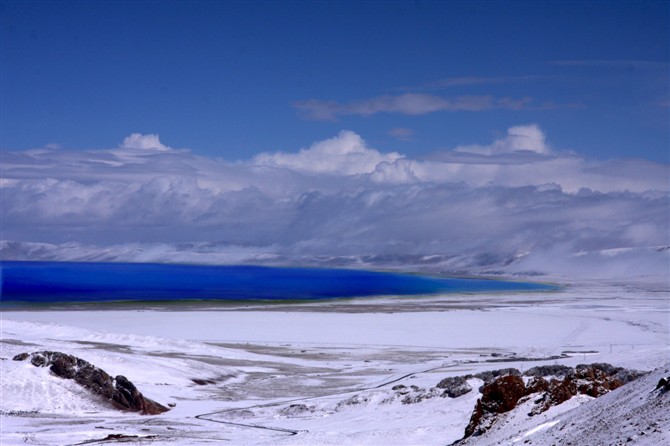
column 635, row 414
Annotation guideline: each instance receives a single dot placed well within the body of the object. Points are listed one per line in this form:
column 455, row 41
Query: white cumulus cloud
column 143, row 142
column 346, row 154
column 521, row 138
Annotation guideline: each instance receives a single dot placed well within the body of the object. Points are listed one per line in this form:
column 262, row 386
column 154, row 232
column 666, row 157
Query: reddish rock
column 561, row 390
column 503, row 393
column 536, row 385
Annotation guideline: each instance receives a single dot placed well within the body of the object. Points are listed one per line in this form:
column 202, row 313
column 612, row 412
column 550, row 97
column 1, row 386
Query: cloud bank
column 514, row 204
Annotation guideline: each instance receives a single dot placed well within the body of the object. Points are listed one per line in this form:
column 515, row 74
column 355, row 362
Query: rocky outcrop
column 549, row 386
column 119, row 391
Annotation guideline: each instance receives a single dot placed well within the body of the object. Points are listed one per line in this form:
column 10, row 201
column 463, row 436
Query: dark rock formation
column 549, row 370
column 203, row 381
column 454, row 386
column 490, row 375
column 119, row 390
column 21, row 356
column 663, row 384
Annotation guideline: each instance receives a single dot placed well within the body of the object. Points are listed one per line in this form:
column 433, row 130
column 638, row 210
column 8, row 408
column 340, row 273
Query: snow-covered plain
column 323, row 373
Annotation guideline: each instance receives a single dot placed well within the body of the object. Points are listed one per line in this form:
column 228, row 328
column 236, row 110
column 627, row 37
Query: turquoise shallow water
column 58, row 282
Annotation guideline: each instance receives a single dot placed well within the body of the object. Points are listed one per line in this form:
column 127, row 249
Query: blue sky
column 231, row 80
column 490, row 134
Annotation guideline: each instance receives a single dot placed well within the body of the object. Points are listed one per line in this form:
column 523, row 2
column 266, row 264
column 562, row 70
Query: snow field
column 335, row 365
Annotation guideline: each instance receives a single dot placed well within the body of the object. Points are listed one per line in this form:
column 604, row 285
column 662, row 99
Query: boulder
column 454, row 386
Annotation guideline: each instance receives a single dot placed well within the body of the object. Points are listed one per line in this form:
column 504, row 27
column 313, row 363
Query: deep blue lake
column 65, row 282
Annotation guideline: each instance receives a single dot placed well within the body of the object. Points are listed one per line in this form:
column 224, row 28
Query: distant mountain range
column 609, row 262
